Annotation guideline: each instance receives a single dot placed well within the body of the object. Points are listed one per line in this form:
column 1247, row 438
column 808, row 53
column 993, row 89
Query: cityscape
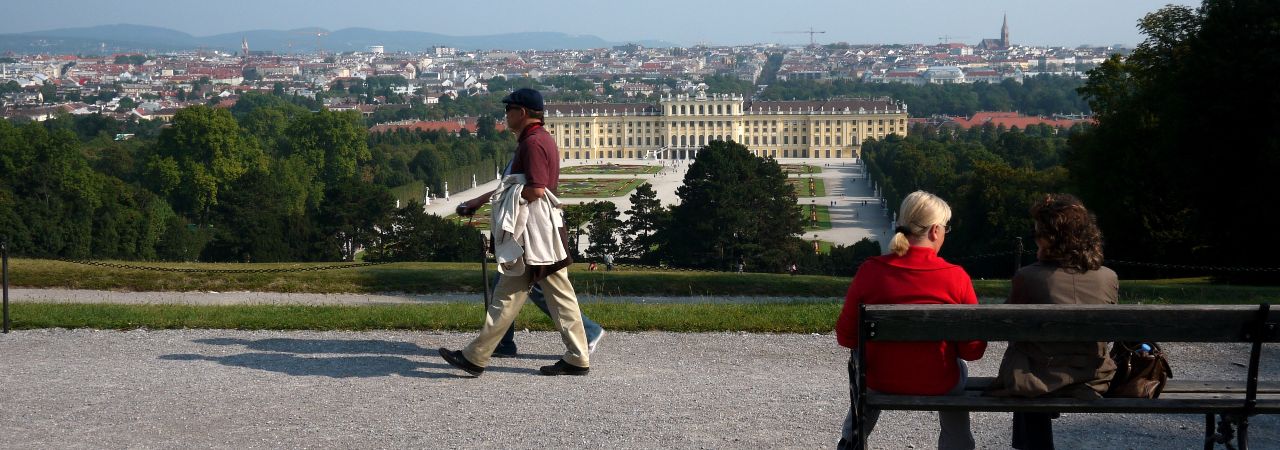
column 146, row 86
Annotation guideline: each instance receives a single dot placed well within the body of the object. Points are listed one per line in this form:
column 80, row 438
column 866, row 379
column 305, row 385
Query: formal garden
column 800, row 169
column 808, row 187
column 597, row 187
column 815, row 217
column 610, row 169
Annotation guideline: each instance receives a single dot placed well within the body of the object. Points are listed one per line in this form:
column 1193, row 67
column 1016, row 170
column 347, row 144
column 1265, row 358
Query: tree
column 733, row 204
column 207, row 147
column 333, row 143
column 602, row 229
column 645, row 218
column 486, row 127
column 417, row 236
column 351, row 213
column 49, row 91
column 1160, row 170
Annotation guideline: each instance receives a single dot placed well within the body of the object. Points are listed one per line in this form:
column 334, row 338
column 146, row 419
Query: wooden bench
column 1233, row 400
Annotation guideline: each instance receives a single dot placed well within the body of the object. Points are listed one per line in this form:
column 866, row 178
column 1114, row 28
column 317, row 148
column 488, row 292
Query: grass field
column 805, row 317
column 787, row 315
column 426, row 278
column 824, row 217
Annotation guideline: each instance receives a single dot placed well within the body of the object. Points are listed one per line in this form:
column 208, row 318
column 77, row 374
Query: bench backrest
column 1070, row 323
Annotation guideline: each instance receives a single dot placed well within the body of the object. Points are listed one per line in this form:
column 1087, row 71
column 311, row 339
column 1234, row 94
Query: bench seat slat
column 1175, row 385
column 1185, row 403
column 1064, row 323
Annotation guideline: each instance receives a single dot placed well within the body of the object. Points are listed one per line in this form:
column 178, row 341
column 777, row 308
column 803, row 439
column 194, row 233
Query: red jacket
column 920, row 277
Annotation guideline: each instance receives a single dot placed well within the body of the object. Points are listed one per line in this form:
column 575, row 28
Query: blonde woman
column 913, row 273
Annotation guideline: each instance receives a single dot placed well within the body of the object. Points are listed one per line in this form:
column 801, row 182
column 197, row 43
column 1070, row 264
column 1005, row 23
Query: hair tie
column 902, row 229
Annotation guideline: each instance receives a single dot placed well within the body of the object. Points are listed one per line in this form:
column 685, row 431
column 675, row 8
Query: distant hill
column 107, row 39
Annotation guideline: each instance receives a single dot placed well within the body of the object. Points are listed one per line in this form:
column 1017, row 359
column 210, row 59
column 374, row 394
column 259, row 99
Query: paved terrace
column 270, row 389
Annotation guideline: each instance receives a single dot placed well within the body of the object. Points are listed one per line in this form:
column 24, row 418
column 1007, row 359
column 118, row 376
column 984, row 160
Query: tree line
column 1179, row 168
column 1040, row 95
column 266, row 180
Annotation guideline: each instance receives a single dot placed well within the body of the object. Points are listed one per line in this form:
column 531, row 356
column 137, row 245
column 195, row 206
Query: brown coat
column 1076, row 369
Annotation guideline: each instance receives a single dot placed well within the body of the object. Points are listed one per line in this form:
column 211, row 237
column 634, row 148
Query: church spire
column 1004, row 32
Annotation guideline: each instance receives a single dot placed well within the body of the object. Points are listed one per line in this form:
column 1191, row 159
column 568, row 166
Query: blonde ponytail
column 919, row 211
column 899, row 244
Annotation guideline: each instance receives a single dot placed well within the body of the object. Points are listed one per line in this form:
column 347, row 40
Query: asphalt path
column 273, row 389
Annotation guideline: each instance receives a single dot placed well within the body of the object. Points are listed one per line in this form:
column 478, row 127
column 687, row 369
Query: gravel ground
column 269, row 389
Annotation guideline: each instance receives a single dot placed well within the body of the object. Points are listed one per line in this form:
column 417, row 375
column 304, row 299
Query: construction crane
column 946, row 38
column 811, row 32
column 318, row 34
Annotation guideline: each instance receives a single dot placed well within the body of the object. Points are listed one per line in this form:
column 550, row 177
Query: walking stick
column 484, row 266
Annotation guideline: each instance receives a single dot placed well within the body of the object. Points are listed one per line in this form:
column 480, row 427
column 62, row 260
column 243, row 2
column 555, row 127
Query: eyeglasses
column 946, row 228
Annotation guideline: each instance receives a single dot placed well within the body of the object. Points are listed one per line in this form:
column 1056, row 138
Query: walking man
column 537, row 159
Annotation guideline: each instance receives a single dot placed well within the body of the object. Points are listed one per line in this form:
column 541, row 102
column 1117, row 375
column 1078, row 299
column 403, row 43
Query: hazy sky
column 1034, row 22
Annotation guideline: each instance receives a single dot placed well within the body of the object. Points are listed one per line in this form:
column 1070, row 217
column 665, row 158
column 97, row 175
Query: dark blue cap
column 526, row 97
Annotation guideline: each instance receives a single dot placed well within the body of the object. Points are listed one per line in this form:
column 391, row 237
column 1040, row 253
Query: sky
column 683, row 22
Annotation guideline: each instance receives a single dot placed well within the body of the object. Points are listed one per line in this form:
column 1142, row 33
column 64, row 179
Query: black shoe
column 563, row 368
column 455, row 359
column 505, row 352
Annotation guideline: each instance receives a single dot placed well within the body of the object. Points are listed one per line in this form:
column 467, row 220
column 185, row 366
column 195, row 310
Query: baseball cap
column 526, row 97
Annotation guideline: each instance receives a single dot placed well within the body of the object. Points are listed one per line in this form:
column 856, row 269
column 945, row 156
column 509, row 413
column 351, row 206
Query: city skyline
column 1071, row 23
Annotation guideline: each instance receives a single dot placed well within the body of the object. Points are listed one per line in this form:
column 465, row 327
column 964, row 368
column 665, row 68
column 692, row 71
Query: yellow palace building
column 678, row 126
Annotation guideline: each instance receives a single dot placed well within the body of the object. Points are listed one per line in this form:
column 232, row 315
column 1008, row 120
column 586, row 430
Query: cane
column 484, row 254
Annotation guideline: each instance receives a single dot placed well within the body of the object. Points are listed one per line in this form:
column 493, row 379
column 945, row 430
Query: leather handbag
column 1141, row 370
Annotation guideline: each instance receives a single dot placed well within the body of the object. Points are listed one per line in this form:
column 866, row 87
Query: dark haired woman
column 1068, row 271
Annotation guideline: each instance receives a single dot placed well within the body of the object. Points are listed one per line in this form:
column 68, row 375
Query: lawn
column 808, row 187
column 610, row 169
column 815, row 217
column 442, row 277
column 805, row 303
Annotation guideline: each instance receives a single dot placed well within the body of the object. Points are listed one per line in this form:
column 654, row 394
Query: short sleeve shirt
column 537, row 158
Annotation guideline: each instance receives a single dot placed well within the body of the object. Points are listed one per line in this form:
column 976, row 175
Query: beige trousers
column 510, row 295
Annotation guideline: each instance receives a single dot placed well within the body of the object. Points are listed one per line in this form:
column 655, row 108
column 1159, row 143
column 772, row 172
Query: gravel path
column 267, row 389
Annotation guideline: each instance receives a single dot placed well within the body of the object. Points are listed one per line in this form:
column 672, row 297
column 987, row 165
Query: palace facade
column 678, row 126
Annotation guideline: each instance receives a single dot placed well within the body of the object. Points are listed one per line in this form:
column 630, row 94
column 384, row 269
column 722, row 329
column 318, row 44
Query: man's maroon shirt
column 538, row 158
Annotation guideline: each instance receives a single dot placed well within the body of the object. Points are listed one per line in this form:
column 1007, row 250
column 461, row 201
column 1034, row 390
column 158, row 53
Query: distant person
column 608, row 262
column 542, row 255
column 792, row 269
column 592, row 267
column 1068, row 271
column 912, row 273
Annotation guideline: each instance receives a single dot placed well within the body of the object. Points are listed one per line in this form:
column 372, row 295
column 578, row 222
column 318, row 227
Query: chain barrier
column 193, row 270
column 1192, row 268
column 1112, row 262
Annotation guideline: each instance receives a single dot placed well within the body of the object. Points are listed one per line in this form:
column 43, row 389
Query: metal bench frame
column 1076, row 323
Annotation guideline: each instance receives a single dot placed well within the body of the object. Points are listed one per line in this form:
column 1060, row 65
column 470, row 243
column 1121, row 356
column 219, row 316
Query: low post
column 1017, row 255
column 4, row 279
